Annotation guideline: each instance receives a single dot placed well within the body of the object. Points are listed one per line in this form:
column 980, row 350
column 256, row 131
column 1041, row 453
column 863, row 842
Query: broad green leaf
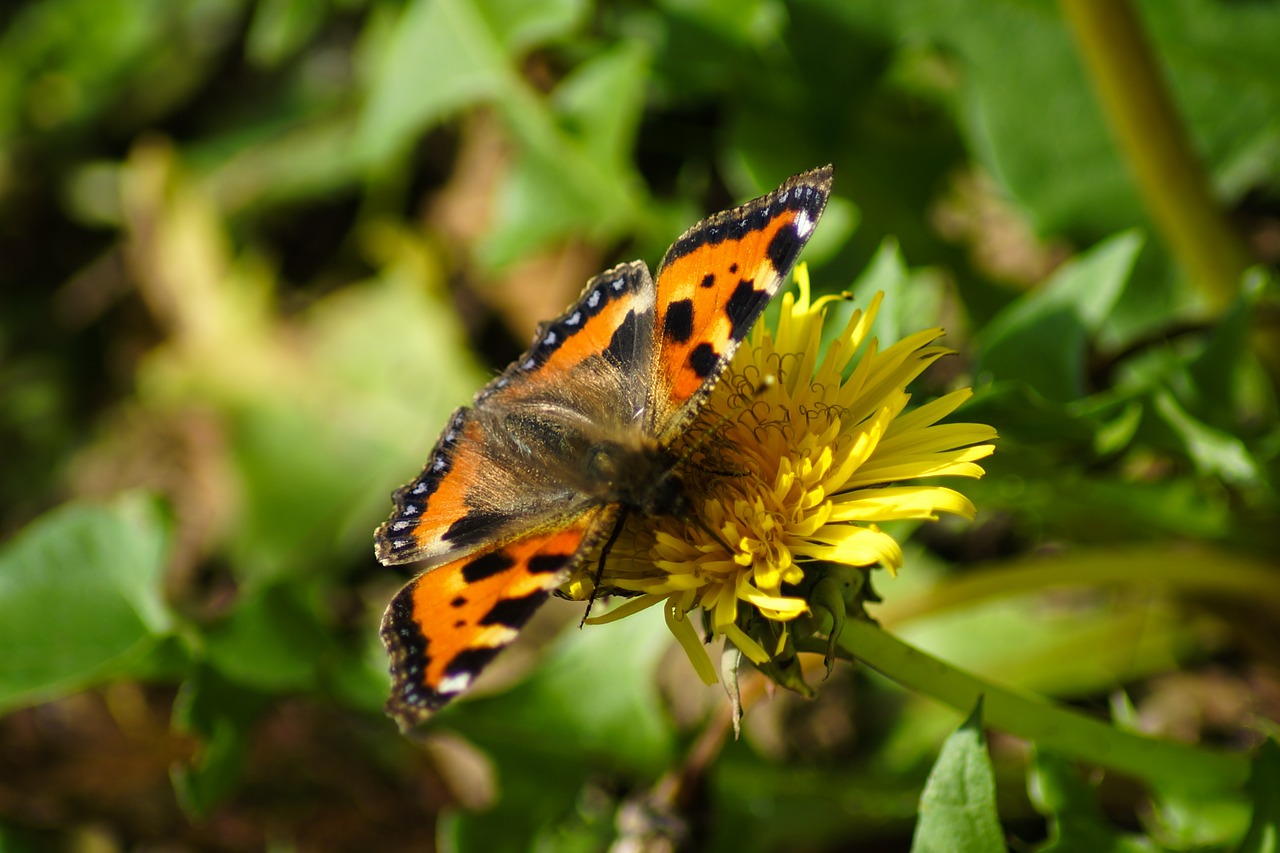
column 887, row 273
column 1026, row 416
column 958, row 805
column 1116, row 433
column 1027, row 110
column 81, row 592
column 538, row 204
column 600, row 103
column 444, row 55
column 522, row 24
column 1069, row 804
column 1080, row 505
column 321, row 436
column 1264, row 790
column 1185, row 820
column 279, row 165
column 1042, row 338
column 574, row 177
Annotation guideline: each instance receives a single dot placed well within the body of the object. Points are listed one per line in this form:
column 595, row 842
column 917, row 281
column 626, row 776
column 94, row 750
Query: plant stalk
column 1154, row 142
column 1166, row 764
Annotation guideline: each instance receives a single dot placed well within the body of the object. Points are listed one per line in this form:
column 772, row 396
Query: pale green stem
column 1051, row 727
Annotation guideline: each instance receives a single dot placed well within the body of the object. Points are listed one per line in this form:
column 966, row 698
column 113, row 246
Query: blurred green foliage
column 252, row 255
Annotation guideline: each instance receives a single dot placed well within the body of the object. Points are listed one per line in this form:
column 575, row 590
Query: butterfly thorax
column 640, row 478
column 594, row 451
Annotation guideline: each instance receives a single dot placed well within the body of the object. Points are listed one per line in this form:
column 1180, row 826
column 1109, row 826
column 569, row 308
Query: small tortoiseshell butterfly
column 572, row 437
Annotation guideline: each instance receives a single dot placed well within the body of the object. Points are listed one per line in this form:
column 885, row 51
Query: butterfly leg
column 604, row 553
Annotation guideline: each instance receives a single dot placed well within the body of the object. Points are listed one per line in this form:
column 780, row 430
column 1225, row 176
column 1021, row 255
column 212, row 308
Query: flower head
column 795, row 460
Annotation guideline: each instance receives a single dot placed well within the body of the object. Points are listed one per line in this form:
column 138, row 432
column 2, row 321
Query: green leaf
column 1018, row 62
column 80, row 588
column 522, row 24
column 764, row 804
column 1069, row 804
column 281, row 27
column 753, row 23
column 67, row 63
column 222, row 714
column 588, row 695
column 1214, row 452
column 592, row 703
column 1026, row 416
column 315, row 478
column 444, row 55
column 958, row 805
column 1061, row 499
column 1225, row 385
column 1186, row 820
column 1042, row 338
column 601, row 101
column 1075, row 652
column 911, row 301
column 1181, row 819
column 574, row 176
column 1264, row 790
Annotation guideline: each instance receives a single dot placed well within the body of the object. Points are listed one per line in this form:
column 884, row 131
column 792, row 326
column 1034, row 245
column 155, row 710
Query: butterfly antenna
column 763, row 385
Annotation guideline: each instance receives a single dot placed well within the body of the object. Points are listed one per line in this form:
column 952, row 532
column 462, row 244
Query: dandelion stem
column 1159, row 762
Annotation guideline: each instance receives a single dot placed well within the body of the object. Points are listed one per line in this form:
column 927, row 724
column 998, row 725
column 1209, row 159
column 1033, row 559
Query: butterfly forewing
column 493, row 475
column 716, row 280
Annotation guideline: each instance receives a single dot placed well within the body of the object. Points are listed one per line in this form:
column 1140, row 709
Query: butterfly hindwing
column 446, row 625
column 489, row 478
column 714, row 283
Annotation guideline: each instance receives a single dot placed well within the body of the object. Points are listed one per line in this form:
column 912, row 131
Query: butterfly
column 573, row 437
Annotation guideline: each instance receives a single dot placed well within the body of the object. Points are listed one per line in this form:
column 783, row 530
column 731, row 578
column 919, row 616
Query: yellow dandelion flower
column 797, row 457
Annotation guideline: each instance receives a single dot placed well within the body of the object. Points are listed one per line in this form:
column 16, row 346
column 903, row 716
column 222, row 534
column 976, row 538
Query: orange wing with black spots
column 714, row 283
column 490, row 477
column 445, row 626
